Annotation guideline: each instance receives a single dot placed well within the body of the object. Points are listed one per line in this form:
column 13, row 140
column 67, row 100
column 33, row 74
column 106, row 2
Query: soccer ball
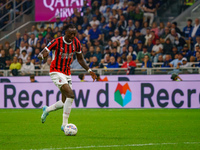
column 70, row 129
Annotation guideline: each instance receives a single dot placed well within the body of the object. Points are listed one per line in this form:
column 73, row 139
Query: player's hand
column 40, row 56
column 93, row 75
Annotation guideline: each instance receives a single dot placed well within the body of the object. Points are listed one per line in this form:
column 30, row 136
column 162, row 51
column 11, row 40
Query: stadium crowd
column 113, row 35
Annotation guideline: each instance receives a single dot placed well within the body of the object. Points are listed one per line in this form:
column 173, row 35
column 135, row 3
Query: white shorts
column 59, row 79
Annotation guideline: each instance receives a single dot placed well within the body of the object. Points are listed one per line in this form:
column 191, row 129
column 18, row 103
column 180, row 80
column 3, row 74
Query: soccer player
column 63, row 50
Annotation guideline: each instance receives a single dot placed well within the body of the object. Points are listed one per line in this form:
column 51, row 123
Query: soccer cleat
column 44, row 114
column 62, row 128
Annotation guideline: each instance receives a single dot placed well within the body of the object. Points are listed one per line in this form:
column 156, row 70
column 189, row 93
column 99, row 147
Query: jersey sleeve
column 78, row 47
column 51, row 45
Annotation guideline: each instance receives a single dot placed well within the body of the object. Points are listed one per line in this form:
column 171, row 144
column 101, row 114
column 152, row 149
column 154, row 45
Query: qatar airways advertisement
column 46, row 9
column 109, row 94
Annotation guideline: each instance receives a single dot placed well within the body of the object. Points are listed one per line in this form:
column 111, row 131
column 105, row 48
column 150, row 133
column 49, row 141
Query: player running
column 63, row 50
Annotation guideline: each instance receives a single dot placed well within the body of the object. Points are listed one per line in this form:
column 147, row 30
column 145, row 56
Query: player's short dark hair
column 97, row 75
column 80, row 76
column 69, row 26
column 32, row 76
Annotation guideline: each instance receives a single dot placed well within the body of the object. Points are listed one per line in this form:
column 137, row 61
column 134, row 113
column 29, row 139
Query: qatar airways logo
column 63, row 8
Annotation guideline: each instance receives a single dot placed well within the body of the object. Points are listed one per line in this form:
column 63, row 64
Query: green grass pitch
column 123, row 129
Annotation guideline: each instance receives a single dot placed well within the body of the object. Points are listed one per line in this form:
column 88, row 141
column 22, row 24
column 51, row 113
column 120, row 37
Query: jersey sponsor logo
column 66, row 55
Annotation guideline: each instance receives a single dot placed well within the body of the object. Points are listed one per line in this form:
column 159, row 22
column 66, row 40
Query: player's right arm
column 45, row 52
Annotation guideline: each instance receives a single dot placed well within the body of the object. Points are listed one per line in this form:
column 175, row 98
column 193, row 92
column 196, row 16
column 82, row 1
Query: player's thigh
column 67, row 91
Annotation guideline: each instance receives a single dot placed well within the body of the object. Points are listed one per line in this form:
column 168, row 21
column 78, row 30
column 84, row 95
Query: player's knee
column 71, row 95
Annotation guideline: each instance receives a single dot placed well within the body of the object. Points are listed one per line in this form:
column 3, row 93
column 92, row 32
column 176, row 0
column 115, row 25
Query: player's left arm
column 81, row 61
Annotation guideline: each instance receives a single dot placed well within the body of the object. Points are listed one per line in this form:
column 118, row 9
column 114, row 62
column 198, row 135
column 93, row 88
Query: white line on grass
column 105, row 146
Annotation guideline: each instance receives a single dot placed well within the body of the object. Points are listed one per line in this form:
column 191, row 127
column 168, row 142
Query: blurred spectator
column 184, row 63
column 90, row 54
column 58, row 23
column 154, row 37
column 84, row 7
column 144, row 29
column 112, row 63
column 46, row 66
column 95, row 6
column 139, row 46
column 33, row 40
column 187, row 30
column 146, row 62
column 94, row 34
column 88, row 14
column 131, row 52
column 157, row 50
column 48, row 38
column 160, row 59
column 164, row 35
column 25, row 38
column 130, row 26
column 196, row 29
column 75, row 64
column 98, row 54
column 17, row 52
column 173, row 35
column 167, row 47
column 116, row 36
column 94, row 63
column 147, row 36
column 174, row 52
column 7, row 47
column 123, row 38
column 28, row 67
column 32, row 78
column 11, row 53
column 35, row 56
column 175, row 62
column 1, row 47
column 28, row 49
column 18, row 40
column 42, row 30
column 186, row 52
column 117, row 5
column 41, row 39
column 15, row 64
column 129, row 64
column 137, row 26
column 94, row 21
column 114, row 53
column 107, row 58
column 149, row 11
column 197, row 42
column 22, row 46
column 174, row 26
column 161, row 29
column 81, row 77
column 23, row 55
column 138, row 15
column 149, row 45
column 3, row 58
column 141, row 54
column 33, row 31
column 155, row 28
column 167, row 61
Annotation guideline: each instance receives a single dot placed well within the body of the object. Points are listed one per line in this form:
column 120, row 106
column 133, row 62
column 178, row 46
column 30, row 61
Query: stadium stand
column 110, row 32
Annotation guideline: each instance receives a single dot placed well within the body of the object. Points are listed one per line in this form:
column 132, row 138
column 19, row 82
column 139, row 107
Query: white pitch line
column 106, row 146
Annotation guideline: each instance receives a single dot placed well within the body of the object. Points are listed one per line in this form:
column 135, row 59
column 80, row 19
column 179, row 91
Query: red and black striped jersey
column 62, row 54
